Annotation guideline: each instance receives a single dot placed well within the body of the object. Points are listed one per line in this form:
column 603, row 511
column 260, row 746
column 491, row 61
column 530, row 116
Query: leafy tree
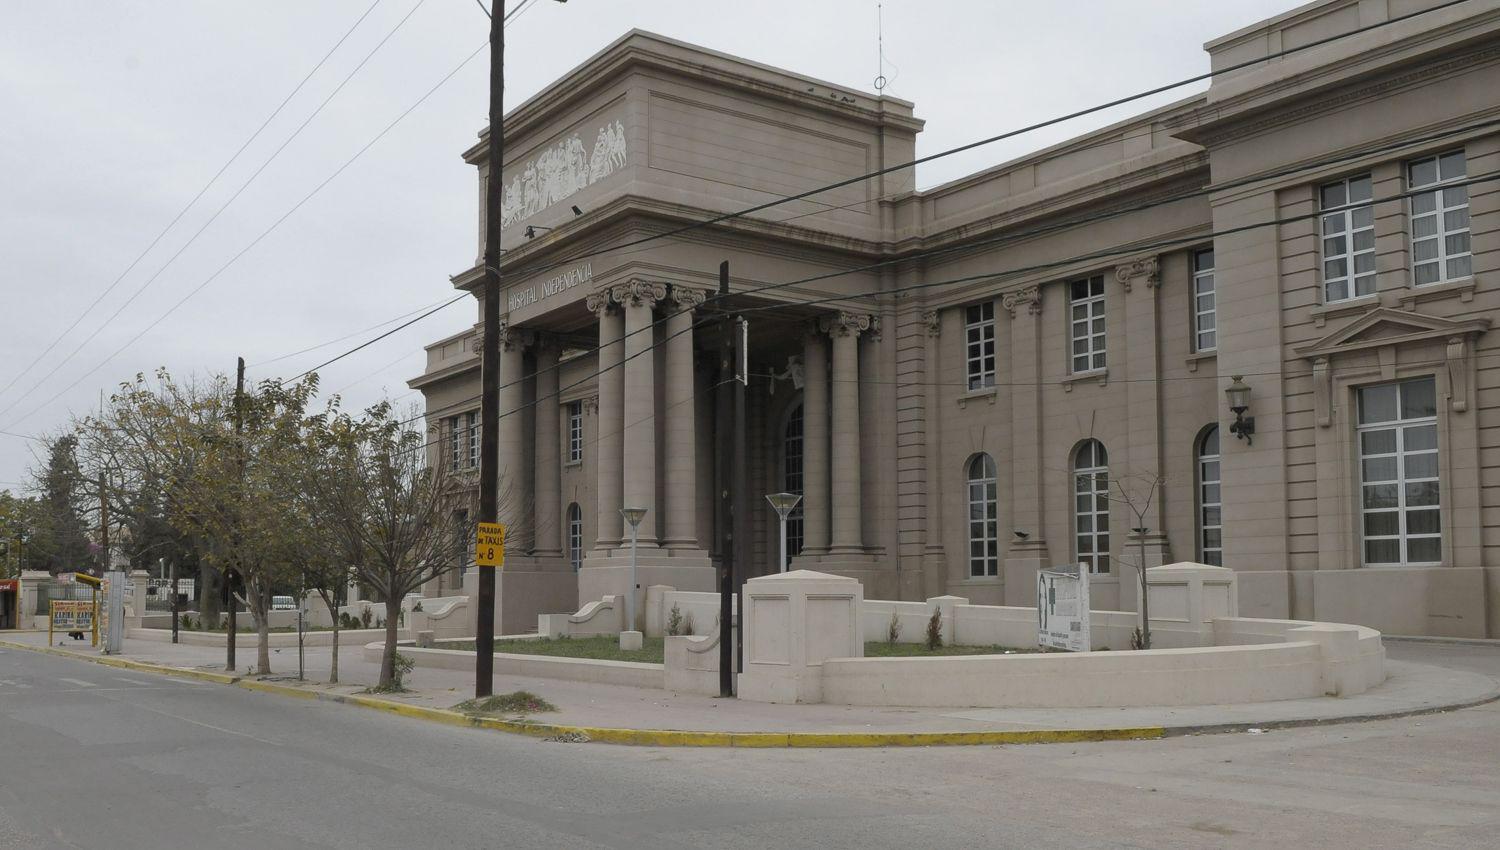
column 60, row 540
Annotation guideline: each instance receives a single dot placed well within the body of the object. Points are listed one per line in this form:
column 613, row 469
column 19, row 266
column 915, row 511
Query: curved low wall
column 1267, row 660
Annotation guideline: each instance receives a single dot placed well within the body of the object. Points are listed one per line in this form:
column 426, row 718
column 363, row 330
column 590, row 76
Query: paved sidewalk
column 1411, row 687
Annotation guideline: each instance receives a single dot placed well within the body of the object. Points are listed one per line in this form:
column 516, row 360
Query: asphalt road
column 96, row 757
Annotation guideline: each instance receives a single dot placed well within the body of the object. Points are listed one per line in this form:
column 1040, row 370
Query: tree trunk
column 209, row 588
column 333, row 611
column 388, row 660
column 259, row 605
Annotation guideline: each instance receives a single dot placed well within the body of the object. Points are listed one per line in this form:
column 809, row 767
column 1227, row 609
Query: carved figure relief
column 561, row 171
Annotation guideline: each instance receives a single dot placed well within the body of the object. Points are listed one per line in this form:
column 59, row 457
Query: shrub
column 893, row 631
column 401, row 665
column 674, row 621
column 416, row 606
column 687, row 624
column 366, row 617
column 935, row 629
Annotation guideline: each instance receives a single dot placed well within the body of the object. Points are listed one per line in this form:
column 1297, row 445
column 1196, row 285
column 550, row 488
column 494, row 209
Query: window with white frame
column 1348, row 239
column 575, row 536
column 791, row 482
column 984, row 518
column 1210, row 503
column 1439, row 219
column 473, row 420
column 1205, row 302
column 454, row 426
column 979, row 335
column 575, row 431
column 1091, row 506
column 1086, row 298
column 1398, row 465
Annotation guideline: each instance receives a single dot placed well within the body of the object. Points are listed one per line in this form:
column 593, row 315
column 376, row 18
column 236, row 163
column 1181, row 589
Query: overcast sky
column 113, row 115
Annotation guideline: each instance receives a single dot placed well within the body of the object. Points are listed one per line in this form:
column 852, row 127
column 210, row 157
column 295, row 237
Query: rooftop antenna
column 880, row 80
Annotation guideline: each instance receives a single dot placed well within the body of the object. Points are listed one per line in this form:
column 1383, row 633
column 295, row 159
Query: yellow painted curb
column 639, row 737
column 127, row 664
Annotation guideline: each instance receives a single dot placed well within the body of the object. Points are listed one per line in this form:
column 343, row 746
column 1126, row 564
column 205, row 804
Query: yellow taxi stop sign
column 489, row 549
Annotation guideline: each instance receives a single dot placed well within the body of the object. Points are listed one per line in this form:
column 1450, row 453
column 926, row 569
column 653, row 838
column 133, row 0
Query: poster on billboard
column 1062, row 608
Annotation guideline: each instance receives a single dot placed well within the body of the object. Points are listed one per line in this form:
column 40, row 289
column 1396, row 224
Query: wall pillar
column 610, row 451
column 1141, row 470
column 815, row 443
column 845, row 505
column 549, row 531
column 516, row 498
column 1023, row 557
column 638, row 298
column 681, row 430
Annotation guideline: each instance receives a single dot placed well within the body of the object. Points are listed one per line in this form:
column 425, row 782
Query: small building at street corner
column 1024, row 367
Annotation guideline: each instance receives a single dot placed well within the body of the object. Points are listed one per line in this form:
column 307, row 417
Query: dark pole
column 489, row 403
column 174, row 600
column 724, row 401
column 741, row 510
column 239, row 431
column 103, row 525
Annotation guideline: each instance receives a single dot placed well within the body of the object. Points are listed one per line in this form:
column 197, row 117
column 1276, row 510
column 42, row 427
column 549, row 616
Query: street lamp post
column 784, row 504
column 630, row 638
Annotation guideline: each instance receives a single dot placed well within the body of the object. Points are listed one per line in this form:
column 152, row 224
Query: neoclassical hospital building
column 1028, row 366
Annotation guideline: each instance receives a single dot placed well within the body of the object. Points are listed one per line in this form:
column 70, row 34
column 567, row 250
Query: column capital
column 844, row 323
column 933, row 319
column 1145, row 267
column 638, row 293
column 1030, row 296
column 688, row 298
column 599, row 303
column 590, row 403
column 514, row 339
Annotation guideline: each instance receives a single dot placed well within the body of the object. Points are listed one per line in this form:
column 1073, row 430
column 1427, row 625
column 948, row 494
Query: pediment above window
column 1382, row 330
column 1383, row 326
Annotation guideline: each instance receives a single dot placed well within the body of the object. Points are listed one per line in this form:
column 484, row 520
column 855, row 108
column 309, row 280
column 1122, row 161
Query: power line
column 931, row 157
column 190, row 204
column 1117, row 251
column 1071, row 223
column 352, row 335
column 267, row 232
column 220, row 211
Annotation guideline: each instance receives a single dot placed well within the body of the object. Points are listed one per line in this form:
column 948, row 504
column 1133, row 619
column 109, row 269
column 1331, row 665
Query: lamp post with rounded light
column 784, row 504
column 630, row 638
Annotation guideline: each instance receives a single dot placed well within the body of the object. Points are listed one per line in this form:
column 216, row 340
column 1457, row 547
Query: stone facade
column 1028, row 365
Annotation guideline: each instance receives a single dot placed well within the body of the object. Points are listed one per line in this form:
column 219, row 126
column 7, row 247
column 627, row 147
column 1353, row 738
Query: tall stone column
column 548, row 454
column 844, row 492
column 610, row 438
column 815, row 443
column 638, row 298
column 515, row 497
column 1023, row 557
column 1142, row 467
column 681, row 444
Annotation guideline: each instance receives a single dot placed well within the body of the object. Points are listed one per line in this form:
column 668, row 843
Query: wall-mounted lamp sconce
column 576, row 210
column 1239, row 402
column 531, row 230
column 1021, row 535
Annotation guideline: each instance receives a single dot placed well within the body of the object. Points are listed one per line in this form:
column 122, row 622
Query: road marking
column 133, row 681
column 79, row 682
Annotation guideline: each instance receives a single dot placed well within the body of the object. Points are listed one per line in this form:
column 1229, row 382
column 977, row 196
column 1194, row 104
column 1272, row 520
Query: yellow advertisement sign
column 489, row 547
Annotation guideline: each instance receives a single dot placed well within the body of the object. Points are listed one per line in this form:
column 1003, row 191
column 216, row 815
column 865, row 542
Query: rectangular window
column 979, row 334
column 1086, row 298
column 1398, row 463
column 1348, row 239
column 1210, row 503
column 455, row 443
column 575, row 431
column 1439, row 220
column 1205, row 310
column 473, row 420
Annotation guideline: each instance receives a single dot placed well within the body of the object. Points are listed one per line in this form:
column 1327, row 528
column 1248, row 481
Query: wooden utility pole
column 724, row 402
column 239, row 448
column 489, row 402
column 103, row 525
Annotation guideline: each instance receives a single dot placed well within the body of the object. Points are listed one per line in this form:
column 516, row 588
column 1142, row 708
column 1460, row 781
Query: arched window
column 791, row 479
column 575, row 536
column 984, row 524
column 1210, row 505
column 1091, row 506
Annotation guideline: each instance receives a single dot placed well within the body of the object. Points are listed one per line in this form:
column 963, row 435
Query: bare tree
column 411, row 521
column 1137, row 493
